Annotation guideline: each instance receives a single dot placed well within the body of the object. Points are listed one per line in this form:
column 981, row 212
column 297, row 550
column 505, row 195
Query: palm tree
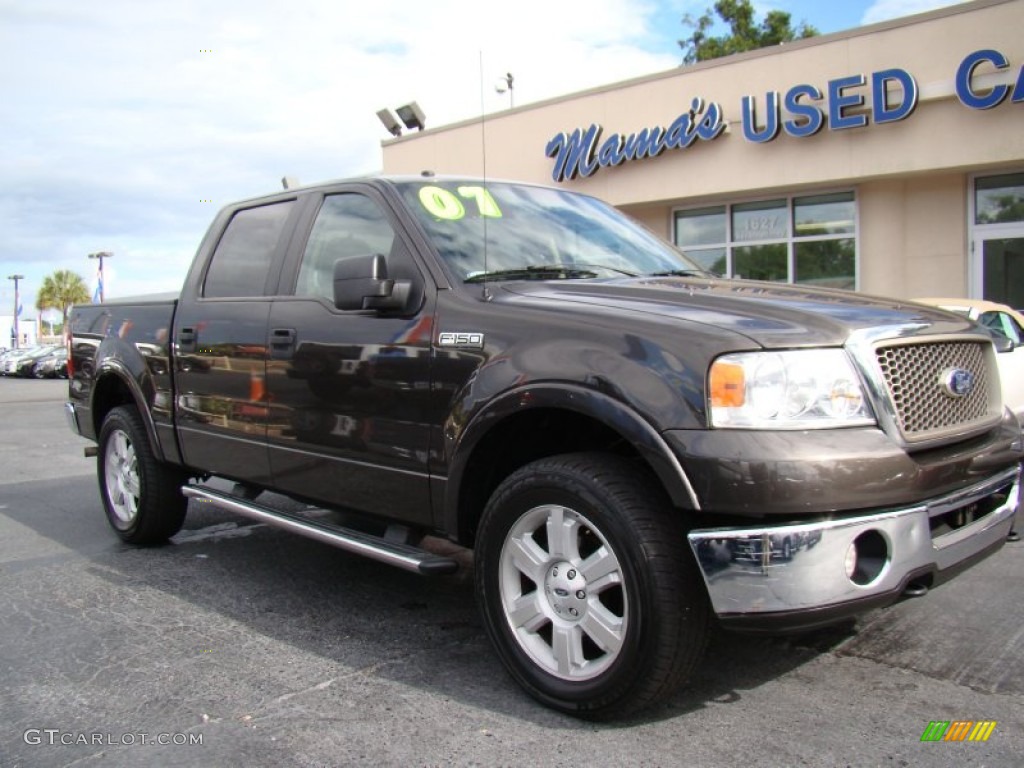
column 60, row 290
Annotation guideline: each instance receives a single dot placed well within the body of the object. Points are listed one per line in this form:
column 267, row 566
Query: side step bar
column 403, row 556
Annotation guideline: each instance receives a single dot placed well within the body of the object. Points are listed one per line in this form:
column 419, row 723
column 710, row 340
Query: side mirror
column 1003, row 343
column 362, row 282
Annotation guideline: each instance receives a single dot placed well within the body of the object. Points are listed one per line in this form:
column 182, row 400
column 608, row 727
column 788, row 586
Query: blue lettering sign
column 838, row 103
column 650, row 142
column 578, row 155
column 968, row 97
column 771, row 118
column 884, row 111
column 611, row 151
column 812, row 117
column 711, row 125
column 574, row 153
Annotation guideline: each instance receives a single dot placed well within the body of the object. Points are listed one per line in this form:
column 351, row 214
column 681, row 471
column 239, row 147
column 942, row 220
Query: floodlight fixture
column 412, row 116
column 389, row 121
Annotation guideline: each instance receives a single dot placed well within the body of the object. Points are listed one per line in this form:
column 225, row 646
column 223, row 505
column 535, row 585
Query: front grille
column 914, row 376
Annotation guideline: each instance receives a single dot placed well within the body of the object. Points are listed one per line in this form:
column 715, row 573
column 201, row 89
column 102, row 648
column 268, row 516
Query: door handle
column 187, row 340
column 282, row 343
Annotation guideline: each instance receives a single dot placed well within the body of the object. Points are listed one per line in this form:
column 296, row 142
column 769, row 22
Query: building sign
column 843, row 104
column 577, row 154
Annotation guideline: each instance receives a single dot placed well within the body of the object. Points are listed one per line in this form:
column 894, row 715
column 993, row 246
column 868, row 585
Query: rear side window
column 241, row 263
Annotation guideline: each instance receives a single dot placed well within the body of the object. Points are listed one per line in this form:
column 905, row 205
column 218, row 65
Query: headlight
column 796, row 389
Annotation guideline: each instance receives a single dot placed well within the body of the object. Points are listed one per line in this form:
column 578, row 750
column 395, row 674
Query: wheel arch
column 503, row 437
column 114, row 386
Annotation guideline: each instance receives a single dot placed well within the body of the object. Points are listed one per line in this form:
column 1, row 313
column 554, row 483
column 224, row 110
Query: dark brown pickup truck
column 632, row 448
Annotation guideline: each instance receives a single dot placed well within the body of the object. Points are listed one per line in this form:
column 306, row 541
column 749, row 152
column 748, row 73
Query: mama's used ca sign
column 807, row 109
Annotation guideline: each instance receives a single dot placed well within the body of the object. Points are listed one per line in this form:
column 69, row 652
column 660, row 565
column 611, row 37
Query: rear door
column 220, row 338
column 349, row 390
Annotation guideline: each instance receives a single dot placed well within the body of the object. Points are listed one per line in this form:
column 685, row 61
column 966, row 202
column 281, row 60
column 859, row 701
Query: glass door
column 997, row 248
column 1002, row 269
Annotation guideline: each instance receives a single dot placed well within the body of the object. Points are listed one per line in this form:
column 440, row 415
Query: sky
column 126, row 125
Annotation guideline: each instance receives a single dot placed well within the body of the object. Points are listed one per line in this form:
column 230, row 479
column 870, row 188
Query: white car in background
column 1003, row 321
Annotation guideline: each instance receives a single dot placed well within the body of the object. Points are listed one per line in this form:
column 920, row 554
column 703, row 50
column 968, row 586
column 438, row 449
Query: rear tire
column 587, row 586
column 141, row 496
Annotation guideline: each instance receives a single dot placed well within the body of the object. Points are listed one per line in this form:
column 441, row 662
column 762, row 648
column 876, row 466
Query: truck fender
column 612, row 413
column 112, row 367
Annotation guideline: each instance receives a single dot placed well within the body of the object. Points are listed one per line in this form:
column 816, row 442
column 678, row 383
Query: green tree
column 745, row 34
column 60, row 290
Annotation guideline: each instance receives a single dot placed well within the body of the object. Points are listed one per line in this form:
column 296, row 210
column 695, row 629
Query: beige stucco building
column 888, row 158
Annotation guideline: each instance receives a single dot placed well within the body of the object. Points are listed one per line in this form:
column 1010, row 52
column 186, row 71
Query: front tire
column 587, row 586
column 141, row 496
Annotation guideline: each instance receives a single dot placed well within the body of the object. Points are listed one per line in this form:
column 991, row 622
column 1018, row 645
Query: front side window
column 241, row 262
column 347, row 225
column 808, row 240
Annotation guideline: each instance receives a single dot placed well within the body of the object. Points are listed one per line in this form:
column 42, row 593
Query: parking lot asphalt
column 278, row 651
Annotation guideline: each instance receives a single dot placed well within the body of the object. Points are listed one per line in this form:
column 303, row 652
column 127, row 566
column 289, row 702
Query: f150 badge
column 469, row 339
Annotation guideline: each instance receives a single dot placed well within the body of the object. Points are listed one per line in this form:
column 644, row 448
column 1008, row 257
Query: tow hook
column 915, row 590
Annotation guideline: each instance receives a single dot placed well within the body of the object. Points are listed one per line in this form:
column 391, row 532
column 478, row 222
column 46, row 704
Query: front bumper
column 795, row 576
column 71, row 413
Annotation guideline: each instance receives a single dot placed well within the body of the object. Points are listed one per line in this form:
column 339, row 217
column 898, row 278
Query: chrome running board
column 395, row 553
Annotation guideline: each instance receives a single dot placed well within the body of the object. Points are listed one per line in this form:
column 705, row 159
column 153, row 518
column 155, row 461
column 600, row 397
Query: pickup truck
column 632, row 448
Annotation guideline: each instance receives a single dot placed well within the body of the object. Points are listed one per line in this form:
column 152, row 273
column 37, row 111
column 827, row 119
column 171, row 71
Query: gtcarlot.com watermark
column 53, row 736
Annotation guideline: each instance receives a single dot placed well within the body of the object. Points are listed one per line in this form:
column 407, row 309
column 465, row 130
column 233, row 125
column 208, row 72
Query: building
column 27, row 331
column 887, row 158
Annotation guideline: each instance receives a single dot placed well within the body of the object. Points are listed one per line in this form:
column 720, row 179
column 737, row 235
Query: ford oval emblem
column 957, row 382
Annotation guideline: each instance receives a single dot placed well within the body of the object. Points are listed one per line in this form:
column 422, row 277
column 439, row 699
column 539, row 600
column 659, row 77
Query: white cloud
column 883, row 10
column 119, row 122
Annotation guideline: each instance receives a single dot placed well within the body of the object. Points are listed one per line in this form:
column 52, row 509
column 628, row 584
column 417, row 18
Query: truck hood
column 772, row 315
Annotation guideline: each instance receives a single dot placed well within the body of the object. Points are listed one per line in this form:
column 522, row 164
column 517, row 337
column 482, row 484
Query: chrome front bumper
column 789, row 570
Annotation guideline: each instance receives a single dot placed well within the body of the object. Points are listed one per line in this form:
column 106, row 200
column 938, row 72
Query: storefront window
column 826, row 263
column 808, row 240
column 999, row 199
column 711, row 259
column 760, row 221
column 704, row 226
column 760, row 262
column 700, row 228
column 824, row 215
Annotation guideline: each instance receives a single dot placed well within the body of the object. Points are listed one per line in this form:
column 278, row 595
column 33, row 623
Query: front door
column 349, row 390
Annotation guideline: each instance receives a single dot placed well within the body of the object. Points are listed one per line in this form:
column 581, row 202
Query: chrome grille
column 924, row 408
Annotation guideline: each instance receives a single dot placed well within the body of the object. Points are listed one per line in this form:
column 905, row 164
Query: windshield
column 535, row 233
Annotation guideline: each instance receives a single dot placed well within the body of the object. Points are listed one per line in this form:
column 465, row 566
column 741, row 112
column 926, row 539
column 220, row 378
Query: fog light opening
column 866, row 558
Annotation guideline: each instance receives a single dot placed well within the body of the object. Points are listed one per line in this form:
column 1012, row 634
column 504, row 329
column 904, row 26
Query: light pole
column 16, row 278
column 101, row 255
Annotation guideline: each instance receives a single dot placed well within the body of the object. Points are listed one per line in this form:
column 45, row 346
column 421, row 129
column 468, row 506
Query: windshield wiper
column 533, row 272
column 680, row 273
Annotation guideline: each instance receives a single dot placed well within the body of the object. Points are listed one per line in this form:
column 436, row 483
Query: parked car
column 1001, row 321
column 24, row 366
column 9, row 363
column 52, row 365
